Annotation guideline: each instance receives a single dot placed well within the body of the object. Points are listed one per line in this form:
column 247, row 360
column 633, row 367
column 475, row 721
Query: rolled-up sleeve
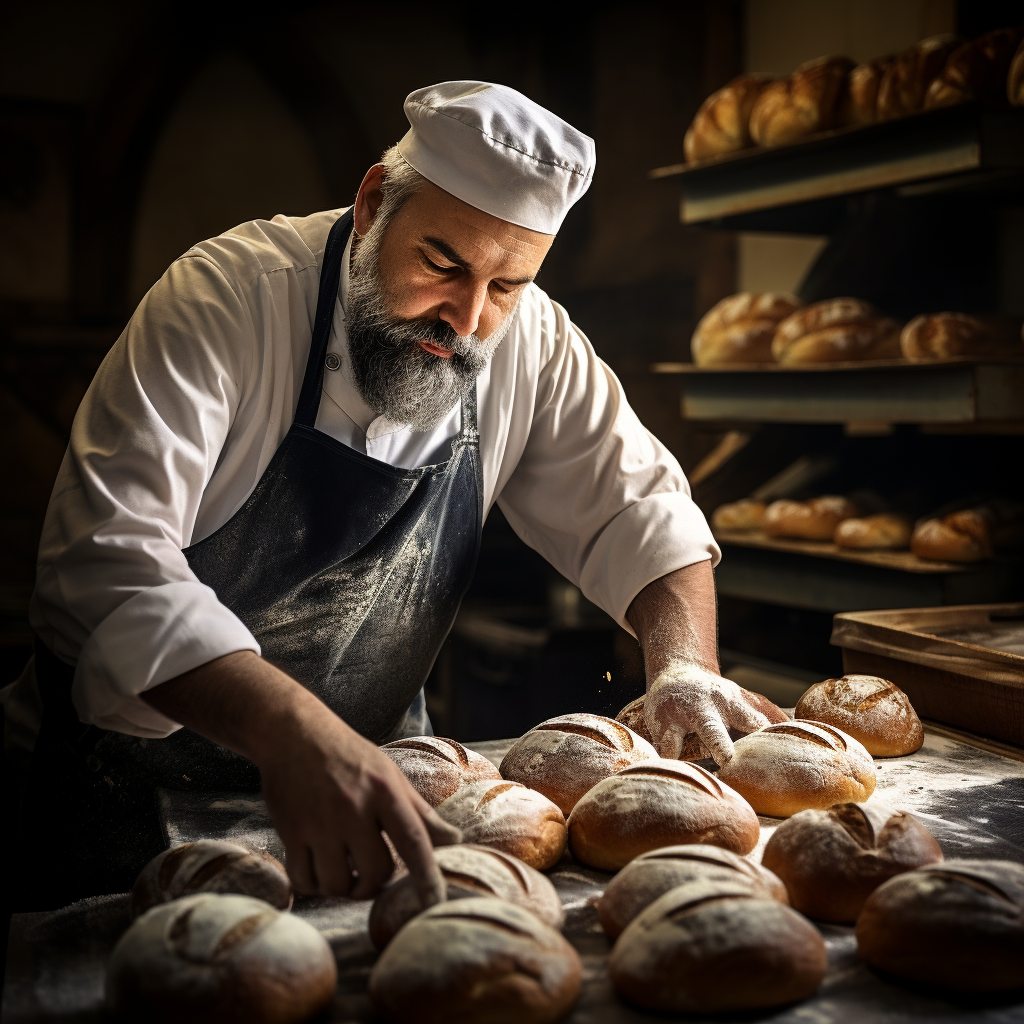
column 594, row 491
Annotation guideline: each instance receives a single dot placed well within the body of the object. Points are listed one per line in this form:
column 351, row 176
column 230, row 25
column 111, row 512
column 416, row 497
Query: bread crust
column 1015, row 78
column 816, row 519
column 974, row 71
column 905, row 82
column 859, row 104
column 872, row 710
column 946, row 335
column 783, row 769
column 964, row 536
column 722, row 123
column 745, row 514
column 663, row 803
column 835, row 330
column 740, row 328
column 437, row 767
column 885, row 530
column 831, row 861
column 800, row 104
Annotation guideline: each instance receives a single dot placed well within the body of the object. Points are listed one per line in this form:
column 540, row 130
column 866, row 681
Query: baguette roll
column 906, row 80
column 801, row 104
column 947, row 335
column 740, row 328
column 885, row 530
column 964, row 536
column 835, row 330
column 816, row 519
column 974, row 71
column 745, row 514
column 437, row 767
column 722, row 124
column 859, row 105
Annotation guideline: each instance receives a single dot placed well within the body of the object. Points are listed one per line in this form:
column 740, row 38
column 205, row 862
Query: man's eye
column 437, row 267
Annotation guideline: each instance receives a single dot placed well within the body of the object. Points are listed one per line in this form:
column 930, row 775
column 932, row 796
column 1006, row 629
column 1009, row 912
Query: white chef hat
column 493, row 148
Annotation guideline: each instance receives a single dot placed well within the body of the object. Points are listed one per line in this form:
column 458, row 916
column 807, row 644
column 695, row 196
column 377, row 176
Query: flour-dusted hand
column 684, row 698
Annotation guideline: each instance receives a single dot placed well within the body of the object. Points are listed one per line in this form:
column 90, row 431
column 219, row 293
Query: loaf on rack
column 805, row 102
column 740, row 328
column 745, row 514
column 437, row 767
column 964, row 536
column 885, row 530
column 860, row 99
column 835, row 330
column 1015, row 79
column 722, row 124
column 815, row 519
column 905, row 82
column 944, row 335
column 974, row 71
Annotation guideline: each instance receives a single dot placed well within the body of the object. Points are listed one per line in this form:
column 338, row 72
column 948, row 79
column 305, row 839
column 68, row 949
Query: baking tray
column 962, row 665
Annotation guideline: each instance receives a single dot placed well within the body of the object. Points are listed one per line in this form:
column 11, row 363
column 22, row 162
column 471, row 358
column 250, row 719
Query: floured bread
column 469, row 872
column 782, row 769
column 653, row 874
column 437, row 767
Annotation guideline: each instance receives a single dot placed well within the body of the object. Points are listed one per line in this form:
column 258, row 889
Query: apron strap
column 330, row 280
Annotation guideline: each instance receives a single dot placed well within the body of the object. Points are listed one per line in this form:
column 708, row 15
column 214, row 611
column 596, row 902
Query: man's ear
column 368, row 199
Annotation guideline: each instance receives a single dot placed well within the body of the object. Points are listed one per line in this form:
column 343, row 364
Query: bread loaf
column 905, row 82
column 1015, row 79
column 859, row 105
column 653, row 874
column 835, row 330
column 660, row 803
column 745, row 514
column 886, row 530
column 816, row 519
column 974, row 71
column 782, row 769
column 964, row 536
column 872, row 710
column 469, row 872
column 437, row 767
column 947, row 335
column 714, row 947
column 831, row 861
column 740, row 328
column 479, row 960
column 958, row 925
column 722, row 124
column 805, row 102
column 511, row 818
column 564, row 756
column 219, row 959
column 211, row 865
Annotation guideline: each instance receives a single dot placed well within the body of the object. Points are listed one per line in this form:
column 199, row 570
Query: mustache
column 394, row 334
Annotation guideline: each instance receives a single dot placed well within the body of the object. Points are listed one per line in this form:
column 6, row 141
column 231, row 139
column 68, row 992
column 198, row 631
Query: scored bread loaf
column 946, row 335
column 835, row 330
column 782, row 769
column 974, row 71
column 958, row 925
column 476, row 960
column 831, row 861
column 510, row 817
column 745, row 514
column 659, row 803
column 906, row 80
column 964, row 536
column 872, row 710
column 437, row 767
column 740, row 328
column 564, row 756
column 886, row 530
column 805, row 102
column 653, row 874
column 712, row 947
column 722, row 123
column 816, row 519
column 469, row 872
column 219, row 958
column 1015, row 78
column 860, row 99
column 211, row 865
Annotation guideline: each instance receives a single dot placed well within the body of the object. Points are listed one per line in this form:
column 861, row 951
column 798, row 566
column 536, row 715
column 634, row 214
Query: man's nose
column 463, row 310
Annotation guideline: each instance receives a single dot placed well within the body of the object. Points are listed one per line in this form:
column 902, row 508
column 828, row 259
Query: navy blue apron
column 348, row 572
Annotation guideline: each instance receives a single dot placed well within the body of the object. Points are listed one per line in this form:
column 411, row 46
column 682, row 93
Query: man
column 271, row 505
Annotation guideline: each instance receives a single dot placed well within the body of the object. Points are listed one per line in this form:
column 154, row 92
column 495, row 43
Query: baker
column 272, row 501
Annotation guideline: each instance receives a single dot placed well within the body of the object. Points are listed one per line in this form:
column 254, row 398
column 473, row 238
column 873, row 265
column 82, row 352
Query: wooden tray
column 958, row 665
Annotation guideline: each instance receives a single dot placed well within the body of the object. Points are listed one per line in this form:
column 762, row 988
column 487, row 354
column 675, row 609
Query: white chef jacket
column 192, row 401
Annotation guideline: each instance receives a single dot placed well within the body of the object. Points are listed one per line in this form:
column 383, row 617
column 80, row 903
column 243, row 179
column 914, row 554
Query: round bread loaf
column 722, row 122
column 437, row 767
column 510, row 817
column 906, row 80
column 805, row 102
column 660, row 803
column 745, row 514
column 885, row 530
column 712, row 947
column 653, row 874
column 946, row 335
column 480, row 960
column 816, row 519
column 957, row 925
column 740, row 328
column 1015, row 79
column 632, row 715
column 831, row 861
column 835, row 330
column 565, row 756
column 872, row 710
column 469, row 872
column 782, row 769
column 211, row 865
column 974, row 71
column 859, row 104
column 219, row 958
column 964, row 536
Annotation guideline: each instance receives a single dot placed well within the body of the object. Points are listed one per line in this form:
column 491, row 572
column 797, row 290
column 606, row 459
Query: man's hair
column 401, row 182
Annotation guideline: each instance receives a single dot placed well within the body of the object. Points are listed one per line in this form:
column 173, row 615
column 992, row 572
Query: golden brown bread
column 831, row 861
column 745, row 514
column 944, row 335
column 740, row 328
column 884, row 530
column 957, row 925
column 713, row 947
column 906, row 80
column 1015, row 78
column 782, row 769
column 964, row 536
column 437, row 767
column 722, row 124
column 805, row 102
column 653, row 874
column 476, row 960
column 872, row 710
column 860, row 98
column 564, row 756
column 816, row 519
column 835, row 330
column 974, row 71
column 659, row 803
